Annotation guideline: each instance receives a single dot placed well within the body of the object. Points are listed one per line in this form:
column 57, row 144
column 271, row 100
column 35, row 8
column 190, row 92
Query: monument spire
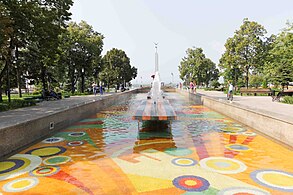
column 156, row 58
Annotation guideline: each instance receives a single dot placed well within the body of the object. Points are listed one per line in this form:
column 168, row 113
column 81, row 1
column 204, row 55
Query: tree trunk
column 82, row 82
column 18, row 82
column 246, row 77
column 1, row 76
column 72, row 82
column 8, row 82
column 1, row 100
column 43, row 77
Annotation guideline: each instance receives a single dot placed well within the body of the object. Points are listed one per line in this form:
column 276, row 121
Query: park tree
column 35, row 28
column 80, row 55
column 48, row 25
column 117, row 68
column 245, row 51
column 209, row 71
column 196, row 67
column 279, row 65
column 5, row 31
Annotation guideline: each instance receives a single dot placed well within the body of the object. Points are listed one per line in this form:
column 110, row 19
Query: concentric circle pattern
column 274, row 179
column 45, row 171
column 75, row 143
column 56, row 160
column 238, row 147
column 18, row 165
column 191, row 183
column 20, row 185
column 184, row 162
column 242, row 191
column 47, row 151
column 77, row 134
column 52, row 140
column 222, row 165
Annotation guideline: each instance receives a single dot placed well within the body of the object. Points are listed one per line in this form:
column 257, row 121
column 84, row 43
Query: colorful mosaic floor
column 201, row 153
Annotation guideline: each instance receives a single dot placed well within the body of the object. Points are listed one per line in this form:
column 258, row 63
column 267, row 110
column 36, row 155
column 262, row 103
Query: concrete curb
column 17, row 136
column 266, row 123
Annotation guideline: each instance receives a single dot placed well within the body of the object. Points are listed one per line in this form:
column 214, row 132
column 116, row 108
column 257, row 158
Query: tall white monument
column 156, row 92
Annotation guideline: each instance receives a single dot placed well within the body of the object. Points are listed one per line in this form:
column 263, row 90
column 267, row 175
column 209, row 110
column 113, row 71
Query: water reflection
column 157, row 132
column 107, row 154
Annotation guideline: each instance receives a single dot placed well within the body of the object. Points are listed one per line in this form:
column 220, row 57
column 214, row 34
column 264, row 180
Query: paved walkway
column 262, row 104
column 12, row 117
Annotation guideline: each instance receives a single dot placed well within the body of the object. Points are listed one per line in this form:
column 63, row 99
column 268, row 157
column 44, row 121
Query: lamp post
column 82, row 80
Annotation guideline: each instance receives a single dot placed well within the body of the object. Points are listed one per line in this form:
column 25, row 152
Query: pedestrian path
column 21, row 115
column 262, row 104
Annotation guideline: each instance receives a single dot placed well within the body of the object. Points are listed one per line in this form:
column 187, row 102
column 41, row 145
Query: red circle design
column 198, row 183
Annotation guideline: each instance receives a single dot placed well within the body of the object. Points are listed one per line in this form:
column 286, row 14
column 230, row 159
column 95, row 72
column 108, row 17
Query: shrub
column 288, row 100
column 215, row 84
column 3, row 107
column 16, row 103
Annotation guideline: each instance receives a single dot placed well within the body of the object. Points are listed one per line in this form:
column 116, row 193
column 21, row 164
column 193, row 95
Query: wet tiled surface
column 201, row 153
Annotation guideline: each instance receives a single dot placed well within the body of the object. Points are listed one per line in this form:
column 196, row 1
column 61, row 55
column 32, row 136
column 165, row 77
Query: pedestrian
column 194, row 87
column 94, row 86
column 180, row 85
column 101, row 88
column 230, row 91
column 191, row 85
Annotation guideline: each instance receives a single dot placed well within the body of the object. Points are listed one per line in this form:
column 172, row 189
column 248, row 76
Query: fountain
column 156, row 107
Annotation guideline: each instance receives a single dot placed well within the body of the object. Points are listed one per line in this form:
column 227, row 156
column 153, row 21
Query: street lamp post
column 82, row 80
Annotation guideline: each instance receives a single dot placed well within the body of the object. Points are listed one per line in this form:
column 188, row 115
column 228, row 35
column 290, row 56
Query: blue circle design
column 18, row 163
column 193, row 162
column 177, row 183
column 254, row 174
column 76, row 134
column 178, row 151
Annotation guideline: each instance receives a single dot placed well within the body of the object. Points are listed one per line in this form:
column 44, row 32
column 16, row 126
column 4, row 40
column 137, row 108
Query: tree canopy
column 117, row 68
column 279, row 66
column 196, row 67
column 244, row 51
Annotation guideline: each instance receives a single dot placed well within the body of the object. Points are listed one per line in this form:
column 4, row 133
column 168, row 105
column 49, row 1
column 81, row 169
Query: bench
column 282, row 94
column 161, row 111
column 256, row 91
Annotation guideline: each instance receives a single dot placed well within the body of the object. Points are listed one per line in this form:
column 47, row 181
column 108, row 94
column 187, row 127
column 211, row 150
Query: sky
column 176, row 25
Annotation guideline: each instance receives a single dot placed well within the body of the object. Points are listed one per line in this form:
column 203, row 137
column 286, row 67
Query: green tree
column 256, row 80
column 196, row 67
column 117, row 68
column 5, row 31
column 279, row 66
column 245, row 51
column 35, row 28
column 209, row 71
column 80, row 55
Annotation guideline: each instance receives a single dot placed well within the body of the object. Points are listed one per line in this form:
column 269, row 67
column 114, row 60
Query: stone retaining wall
column 278, row 129
column 13, row 138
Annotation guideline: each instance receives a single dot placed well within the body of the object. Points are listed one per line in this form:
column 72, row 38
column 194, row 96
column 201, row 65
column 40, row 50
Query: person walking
column 230, row 91
column 101, row 88
column 191, row 86
column 94, row 86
